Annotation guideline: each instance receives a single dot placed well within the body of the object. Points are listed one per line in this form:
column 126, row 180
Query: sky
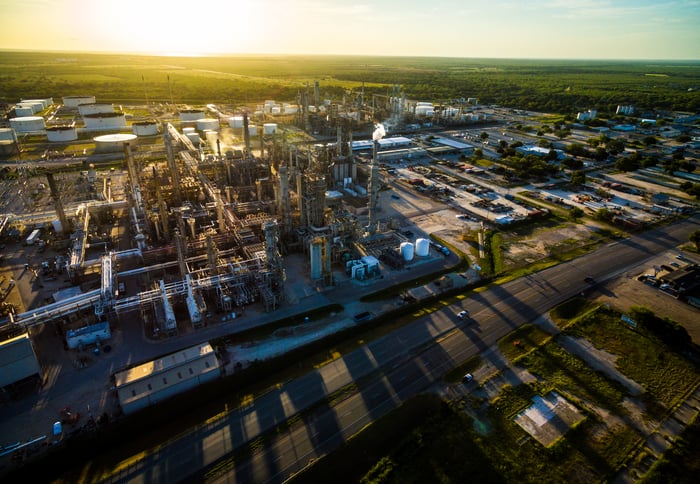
column 539, row 29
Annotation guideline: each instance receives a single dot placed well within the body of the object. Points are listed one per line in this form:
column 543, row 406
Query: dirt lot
column 626, row 291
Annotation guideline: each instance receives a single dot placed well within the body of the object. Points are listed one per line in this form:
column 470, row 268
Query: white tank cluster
column 113, row 142
column 207, row 124
column 422, row 247
column 145, row 128
column 58, row 134
column 113, row 120
column 191, row 114
column 75, row 101
column 28, row 124
column 269, row 128
column 406, row 249
column 95, row 108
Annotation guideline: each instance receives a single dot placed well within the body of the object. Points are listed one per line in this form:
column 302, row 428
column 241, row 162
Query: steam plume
column 379, row 132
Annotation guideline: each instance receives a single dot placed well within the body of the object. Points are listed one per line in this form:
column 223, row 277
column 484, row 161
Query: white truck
column 33, row 237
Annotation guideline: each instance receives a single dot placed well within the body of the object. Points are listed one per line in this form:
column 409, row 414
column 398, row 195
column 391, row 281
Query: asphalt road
column 391, row 370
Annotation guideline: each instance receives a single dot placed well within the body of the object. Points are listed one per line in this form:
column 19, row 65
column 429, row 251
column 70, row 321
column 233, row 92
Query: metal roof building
column 159, row 379
column 17, row 360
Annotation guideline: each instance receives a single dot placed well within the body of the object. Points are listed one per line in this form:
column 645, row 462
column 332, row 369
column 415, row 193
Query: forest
column 553, row 86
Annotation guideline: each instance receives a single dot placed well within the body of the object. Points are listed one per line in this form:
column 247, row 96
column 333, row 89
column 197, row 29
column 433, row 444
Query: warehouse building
column 162, row 378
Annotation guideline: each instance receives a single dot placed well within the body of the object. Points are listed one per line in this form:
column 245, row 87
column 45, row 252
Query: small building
column 659, row 199
column 162, row 378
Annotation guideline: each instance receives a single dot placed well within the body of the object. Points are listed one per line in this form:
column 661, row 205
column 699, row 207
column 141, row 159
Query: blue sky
column 566, row 29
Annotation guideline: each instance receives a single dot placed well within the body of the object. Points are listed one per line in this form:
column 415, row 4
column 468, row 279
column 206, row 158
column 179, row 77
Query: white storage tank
column 406, row 249
column 236, row 122
column 27, row 124
column 194, row 138
column 191, row 114
column 276, row 110
column 105, row 121
column 145, row 128
column 95, row 108
column 188, row 129
column 211, row 124
column 113, row 142
column 8, row 147
column 7, row 134
column 422, row 247
column 23, row 110
column 45, row 102
column 252, row 130
column 290, row 108
column 57, row 134
column 269, row 128
column 75, row 101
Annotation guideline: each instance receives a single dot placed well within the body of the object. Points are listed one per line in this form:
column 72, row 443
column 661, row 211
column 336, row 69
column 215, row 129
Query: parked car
column 462, row 314
column 467, row 378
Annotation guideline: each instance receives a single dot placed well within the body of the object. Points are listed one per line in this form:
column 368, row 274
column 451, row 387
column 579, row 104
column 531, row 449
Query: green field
column 555, row 86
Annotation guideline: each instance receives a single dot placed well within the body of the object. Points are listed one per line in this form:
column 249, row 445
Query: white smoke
column 379, row 132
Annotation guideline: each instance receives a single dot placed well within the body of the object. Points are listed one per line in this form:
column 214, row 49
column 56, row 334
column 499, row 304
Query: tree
column 686, row 165
column 649, row 141
column 575, row 213
column 478, row 154
column 484, row 136
column 670, row 166
column 626, row 164
column 695, row 238
column 578, row 178
column 615, row 146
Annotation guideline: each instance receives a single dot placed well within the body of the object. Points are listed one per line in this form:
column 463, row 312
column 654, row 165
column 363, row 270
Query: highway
column 387, row 372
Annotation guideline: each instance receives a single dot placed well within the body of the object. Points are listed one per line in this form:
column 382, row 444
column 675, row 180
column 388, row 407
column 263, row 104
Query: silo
column 27, row 124
column 7, row 134
column 114, row 120
column 208, row 124
column 422, row 247
column 316, row 258
column 191, row 114
column 236, row 122
column 95, row 108
column 112, row 142
column 145, row 128
column 406, row 249
column 75, row 101
column 57, row 134
column 269, row 128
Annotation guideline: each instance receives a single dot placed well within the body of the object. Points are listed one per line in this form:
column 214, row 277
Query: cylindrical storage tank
column 145, row 128
column 194, row 138
column 113, row 142
column 188, row 129
column 422, row 247
column 276, row 110
column 235, row 122
column 191, row 114
column 406, row 249
column 95, row 108
column 211, row 124
column 22, row 110
column 105, row 121
column 269, row 128
column 45, row 102
column 253, row 130
column 57, row 227
column 291, row 109
column 35, row 105
column 27, row 124
column 61, row 133
column 8, row 147
column 75, row 101
column 423, row 110
column 7, row 134
column 316, row 253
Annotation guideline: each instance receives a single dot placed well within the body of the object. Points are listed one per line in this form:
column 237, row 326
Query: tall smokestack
column 246, row 134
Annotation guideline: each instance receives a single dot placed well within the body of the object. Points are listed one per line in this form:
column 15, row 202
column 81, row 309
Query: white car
column 462, row 314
